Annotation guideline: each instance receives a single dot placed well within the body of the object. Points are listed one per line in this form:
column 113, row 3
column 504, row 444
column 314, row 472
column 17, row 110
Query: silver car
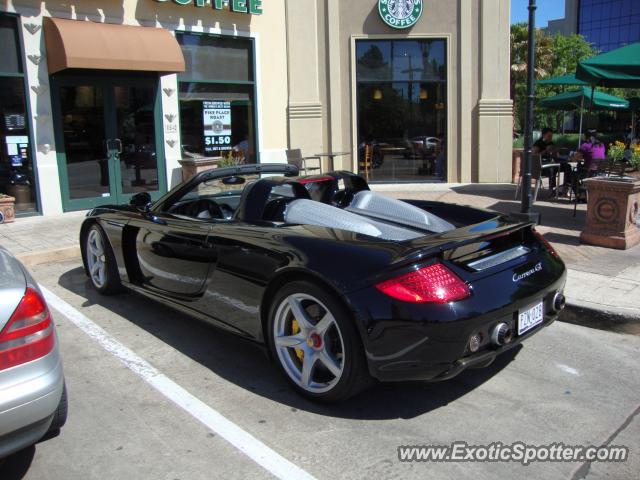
column 33, row 399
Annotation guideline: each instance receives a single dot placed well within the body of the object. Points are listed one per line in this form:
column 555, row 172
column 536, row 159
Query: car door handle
column 158, row 220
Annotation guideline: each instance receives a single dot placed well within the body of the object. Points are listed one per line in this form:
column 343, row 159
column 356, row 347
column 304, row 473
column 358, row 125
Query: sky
column 547, row 10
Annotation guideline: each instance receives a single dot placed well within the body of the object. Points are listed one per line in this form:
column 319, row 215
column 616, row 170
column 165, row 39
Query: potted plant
column 7, row 211
column 619, row 152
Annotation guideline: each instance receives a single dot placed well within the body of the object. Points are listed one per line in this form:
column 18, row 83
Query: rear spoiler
column 486, row 231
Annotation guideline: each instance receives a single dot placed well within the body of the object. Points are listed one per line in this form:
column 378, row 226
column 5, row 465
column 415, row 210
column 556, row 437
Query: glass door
column 108, row 144
column 135, row 137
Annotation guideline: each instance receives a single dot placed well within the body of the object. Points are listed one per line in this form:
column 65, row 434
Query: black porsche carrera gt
column 342, row 284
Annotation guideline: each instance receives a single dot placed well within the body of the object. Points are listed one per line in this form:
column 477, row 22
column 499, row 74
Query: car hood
column 13, row 283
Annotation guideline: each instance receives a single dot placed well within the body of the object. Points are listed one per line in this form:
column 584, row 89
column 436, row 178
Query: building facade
column 606, row 24
column 103, row 99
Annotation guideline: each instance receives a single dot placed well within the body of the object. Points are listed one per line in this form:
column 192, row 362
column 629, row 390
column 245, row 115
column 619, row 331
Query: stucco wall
column 268, row 30
column 478, row 106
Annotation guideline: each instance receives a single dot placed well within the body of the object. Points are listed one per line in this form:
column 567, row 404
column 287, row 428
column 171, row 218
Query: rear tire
column 101, row 262
column 315, row 342
column 59, row 417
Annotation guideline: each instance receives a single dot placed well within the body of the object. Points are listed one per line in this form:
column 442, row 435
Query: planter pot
column 612, row 213
column 193, row 166
column 21, row 193
column 7, row 211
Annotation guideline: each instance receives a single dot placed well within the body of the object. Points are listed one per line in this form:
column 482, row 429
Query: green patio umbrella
column 617, row 68
column 569, row 79
column 564, row 80
column 584, row 97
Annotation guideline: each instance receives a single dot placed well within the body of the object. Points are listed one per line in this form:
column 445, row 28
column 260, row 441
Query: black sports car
column 342, row 284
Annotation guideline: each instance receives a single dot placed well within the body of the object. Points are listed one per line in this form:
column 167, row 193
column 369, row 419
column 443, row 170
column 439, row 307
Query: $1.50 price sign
column 216, row 119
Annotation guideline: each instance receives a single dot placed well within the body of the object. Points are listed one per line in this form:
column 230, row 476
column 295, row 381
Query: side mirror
column 141, row 201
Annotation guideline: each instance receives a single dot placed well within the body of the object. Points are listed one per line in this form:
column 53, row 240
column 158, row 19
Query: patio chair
column 366, row 161
column 616, row 168
column 536, row 174
column 294, row 157
column 579, row 191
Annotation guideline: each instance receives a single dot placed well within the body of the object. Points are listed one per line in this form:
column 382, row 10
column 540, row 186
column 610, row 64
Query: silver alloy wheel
column 96, row 259
column 312, row 354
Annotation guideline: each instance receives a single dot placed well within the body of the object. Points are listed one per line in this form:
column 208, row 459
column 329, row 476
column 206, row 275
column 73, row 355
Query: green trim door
column 108, row 137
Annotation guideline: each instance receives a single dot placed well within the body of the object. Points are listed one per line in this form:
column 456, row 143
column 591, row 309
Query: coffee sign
column 252, row 7
column 400, row 13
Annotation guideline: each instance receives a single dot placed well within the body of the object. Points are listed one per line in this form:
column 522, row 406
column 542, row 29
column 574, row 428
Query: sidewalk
column 40, row 240
column 603, row 284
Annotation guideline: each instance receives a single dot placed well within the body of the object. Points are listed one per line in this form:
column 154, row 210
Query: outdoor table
column 331, row 156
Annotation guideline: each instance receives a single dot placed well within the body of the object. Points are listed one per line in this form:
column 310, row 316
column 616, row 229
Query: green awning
column 562, row 80
column 617, row 68
column 582, row 98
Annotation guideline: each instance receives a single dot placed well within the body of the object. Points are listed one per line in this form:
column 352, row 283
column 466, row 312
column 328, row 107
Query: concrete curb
column 49, row 256
column 603, row 318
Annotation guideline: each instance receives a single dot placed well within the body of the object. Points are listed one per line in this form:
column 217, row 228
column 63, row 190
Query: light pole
column 525, row 210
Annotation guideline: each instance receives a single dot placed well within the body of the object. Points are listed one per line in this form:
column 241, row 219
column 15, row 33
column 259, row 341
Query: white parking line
column 232, row 433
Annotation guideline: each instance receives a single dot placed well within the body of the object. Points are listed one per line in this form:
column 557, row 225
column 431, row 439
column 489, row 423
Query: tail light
column 29, row 333
column 545, row 242
column 433, row 284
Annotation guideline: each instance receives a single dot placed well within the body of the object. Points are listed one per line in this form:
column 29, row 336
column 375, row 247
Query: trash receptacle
column 612, row 209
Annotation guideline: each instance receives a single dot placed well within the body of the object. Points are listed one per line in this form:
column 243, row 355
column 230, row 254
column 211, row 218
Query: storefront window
column 16, row 163
column 217, row 97
column 402, row 111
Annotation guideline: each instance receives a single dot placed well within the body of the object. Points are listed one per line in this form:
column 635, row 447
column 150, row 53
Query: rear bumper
column 29, row 397
column 405, row 349
column 487, row 357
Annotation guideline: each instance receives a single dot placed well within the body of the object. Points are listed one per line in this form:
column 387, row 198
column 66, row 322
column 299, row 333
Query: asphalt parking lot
column 568, row 384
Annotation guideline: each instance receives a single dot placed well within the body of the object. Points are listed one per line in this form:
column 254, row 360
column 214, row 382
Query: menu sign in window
column 217, row 126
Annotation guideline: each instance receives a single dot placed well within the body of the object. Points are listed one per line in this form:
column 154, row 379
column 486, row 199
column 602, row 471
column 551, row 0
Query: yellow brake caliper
column 295, row 328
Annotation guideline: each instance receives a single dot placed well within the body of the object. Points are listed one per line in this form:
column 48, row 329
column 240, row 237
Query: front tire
column 101, row 263
column 315, row 342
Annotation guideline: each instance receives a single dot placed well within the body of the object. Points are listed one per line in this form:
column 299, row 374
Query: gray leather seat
column 309, row 212
column 384, row 208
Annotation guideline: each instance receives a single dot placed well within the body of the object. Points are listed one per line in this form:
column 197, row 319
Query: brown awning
column 105, row 46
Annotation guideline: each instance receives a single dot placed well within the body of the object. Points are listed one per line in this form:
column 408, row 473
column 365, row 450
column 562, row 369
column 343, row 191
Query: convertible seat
column 385, row 208
column 310, row 212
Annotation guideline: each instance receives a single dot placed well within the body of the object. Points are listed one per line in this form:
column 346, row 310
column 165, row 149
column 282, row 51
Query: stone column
column 338, row 142
column 495, row 108
column 305, row 108
column 466, row 148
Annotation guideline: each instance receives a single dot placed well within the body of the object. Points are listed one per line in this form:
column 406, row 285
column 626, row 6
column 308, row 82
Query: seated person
column 590, row 153
column 544, row 147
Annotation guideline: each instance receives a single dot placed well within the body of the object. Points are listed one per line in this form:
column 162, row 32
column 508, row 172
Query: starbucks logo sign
column 400, row 13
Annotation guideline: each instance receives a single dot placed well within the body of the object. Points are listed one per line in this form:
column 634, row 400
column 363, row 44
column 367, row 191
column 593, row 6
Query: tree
column 519, row 53
column 566, row 52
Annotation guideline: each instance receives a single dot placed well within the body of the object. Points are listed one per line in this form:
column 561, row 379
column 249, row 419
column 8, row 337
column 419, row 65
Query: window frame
column 33, row 150
column 181, row 78
column 450, row 169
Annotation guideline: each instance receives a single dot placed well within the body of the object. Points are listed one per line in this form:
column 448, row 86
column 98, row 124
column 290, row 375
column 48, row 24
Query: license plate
column 530, row 318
